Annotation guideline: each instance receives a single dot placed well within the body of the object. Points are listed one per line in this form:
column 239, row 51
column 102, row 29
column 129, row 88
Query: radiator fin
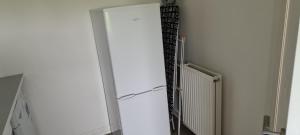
column 199, row 101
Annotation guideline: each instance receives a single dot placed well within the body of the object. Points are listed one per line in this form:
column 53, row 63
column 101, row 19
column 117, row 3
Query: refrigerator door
column 135, row 45
column 145, row 114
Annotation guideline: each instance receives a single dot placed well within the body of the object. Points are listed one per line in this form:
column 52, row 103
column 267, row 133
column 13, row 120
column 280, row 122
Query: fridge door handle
column 158, row 87
column 126, row 97
column 129, row 96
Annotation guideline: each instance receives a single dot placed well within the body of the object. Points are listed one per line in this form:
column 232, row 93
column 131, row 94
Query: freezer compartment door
column 136, row 49
column 145, row 114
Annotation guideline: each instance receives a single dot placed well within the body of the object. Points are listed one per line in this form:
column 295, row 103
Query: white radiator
column 201, row 100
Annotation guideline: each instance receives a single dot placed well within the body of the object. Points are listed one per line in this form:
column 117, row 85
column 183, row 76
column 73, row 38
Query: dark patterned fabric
column 170, row 23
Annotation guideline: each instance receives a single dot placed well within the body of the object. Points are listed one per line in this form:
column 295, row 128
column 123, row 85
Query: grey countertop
column 8, row 89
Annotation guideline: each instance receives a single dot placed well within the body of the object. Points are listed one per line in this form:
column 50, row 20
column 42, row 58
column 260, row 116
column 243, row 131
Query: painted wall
column 52, row 43
column 1, row 71
column 241, row 39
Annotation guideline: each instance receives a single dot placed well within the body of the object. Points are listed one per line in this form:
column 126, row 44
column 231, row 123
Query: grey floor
column 183, row 130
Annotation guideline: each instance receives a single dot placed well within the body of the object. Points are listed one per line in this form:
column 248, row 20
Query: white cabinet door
column 145, row 114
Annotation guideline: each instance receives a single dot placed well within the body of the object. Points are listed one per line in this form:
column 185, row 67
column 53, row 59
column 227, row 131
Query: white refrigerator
column 135, row 51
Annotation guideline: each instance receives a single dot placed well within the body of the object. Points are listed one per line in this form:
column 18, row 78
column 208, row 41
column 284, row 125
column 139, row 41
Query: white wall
column 294, row 108
column 52, row 43
column 1, row 72
column 240, row 39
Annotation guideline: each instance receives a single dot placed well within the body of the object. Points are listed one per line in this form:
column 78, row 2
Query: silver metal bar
column 180, row 85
